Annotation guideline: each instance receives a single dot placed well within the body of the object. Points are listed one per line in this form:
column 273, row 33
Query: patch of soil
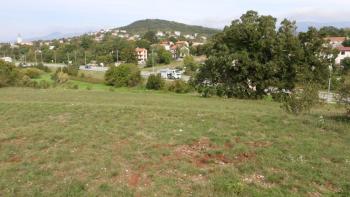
column 14, row 159
column 242, row 157
column 134, row 180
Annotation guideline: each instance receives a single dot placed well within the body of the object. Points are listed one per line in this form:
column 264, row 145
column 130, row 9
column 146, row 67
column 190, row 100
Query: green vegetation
column 59, row 142
column 155, row 82
column 125, row 75
column 154, row 25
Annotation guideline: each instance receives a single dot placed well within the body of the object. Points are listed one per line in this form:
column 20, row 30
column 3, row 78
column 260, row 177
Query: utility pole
column 153, row 60
column 329, row 83
column 68, row 58
column 75, row 57
column 36, row 60
column 54, row 53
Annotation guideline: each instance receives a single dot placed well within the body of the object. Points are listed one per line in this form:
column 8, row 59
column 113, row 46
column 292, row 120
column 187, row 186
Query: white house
column 177, row 33
column 141, row 54
column 344, row 53
column 160, row 34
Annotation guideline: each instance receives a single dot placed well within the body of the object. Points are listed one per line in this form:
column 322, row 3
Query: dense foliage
column 125, row 75
column 250, row 57
column 155, row 82
column 9, row 74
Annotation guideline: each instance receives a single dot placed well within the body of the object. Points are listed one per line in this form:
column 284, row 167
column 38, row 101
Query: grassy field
column 59, row 142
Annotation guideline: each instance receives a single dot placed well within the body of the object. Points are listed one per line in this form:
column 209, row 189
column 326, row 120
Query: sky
column 35, row 18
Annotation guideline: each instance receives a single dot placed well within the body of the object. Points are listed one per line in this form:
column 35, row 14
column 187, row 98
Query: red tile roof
column 140, row 49
column 341, row 48
column 336, row 39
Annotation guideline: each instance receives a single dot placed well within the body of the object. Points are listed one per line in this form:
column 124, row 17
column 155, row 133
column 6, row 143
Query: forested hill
column 143, row 26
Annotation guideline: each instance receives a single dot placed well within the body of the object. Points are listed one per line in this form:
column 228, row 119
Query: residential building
column 336, row 41
column 182, row 43
column 160, row 34
column 344, row 52
column 177, row 33
column 141, row 54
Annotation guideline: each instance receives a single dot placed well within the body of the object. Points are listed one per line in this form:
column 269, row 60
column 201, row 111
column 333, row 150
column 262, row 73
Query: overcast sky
column 33, row 18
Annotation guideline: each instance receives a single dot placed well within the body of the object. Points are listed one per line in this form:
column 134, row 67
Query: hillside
column 143, row 26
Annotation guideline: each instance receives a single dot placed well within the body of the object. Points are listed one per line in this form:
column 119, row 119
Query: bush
column 44, row 84
column 61, row 78
column 155, row 82
column 179, row 86
column 33, row 73
column 344, row 97
column 301, row 100
column 42, row 67
column 9, row 74
column 125, row 75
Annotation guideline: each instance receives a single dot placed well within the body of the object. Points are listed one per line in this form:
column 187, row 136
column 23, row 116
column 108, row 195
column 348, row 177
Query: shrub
column 89, row 87
column 301, row 100
column 44, row 84
column 26, row 81
column 344, row 97
column 125, row 75
column 33, row 73
column 179, row 86
column 42, row 67
column 9, row 74
column 155, row 82
column 61, row 78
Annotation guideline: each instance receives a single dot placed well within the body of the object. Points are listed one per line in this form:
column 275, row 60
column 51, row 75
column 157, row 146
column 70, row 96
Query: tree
column 190, row 65
column 241, row 61
column 346, row 64
column 86, row 42
column 128, row 55
column 125, row 75
column 155, row 82
column 317, row 57
column 9, row 74
column 164, row 56
column 151, row 37
column 346, row 43
column 143, row 44
column 344, row 97
column 332, row 31
column 250, row 56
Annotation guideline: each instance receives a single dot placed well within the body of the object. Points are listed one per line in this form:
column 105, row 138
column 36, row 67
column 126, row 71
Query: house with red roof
column 344, row 52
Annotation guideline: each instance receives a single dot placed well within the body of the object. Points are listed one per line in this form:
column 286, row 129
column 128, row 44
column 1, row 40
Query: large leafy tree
column 250, row 57
column 241, row 58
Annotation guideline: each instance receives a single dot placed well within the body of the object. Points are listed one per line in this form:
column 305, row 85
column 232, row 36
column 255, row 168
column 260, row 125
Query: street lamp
column 330, row 81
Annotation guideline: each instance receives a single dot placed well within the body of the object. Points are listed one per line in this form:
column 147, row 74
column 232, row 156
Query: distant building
column 142, row 55
column 336, row 41
column 160, row 34
column 19, row 39
column 177, row 33
column 6, row 59
column 344, row 52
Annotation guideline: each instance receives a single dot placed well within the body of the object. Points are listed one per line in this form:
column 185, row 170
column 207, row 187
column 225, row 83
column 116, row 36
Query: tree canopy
column 251, row 56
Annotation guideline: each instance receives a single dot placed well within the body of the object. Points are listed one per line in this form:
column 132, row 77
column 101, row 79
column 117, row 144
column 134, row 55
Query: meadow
column 63, row 142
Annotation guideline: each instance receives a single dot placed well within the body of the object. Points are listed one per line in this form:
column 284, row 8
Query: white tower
column 19, row 39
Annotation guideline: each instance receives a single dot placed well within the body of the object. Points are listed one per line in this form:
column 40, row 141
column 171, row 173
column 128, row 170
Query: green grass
column 59, row 142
